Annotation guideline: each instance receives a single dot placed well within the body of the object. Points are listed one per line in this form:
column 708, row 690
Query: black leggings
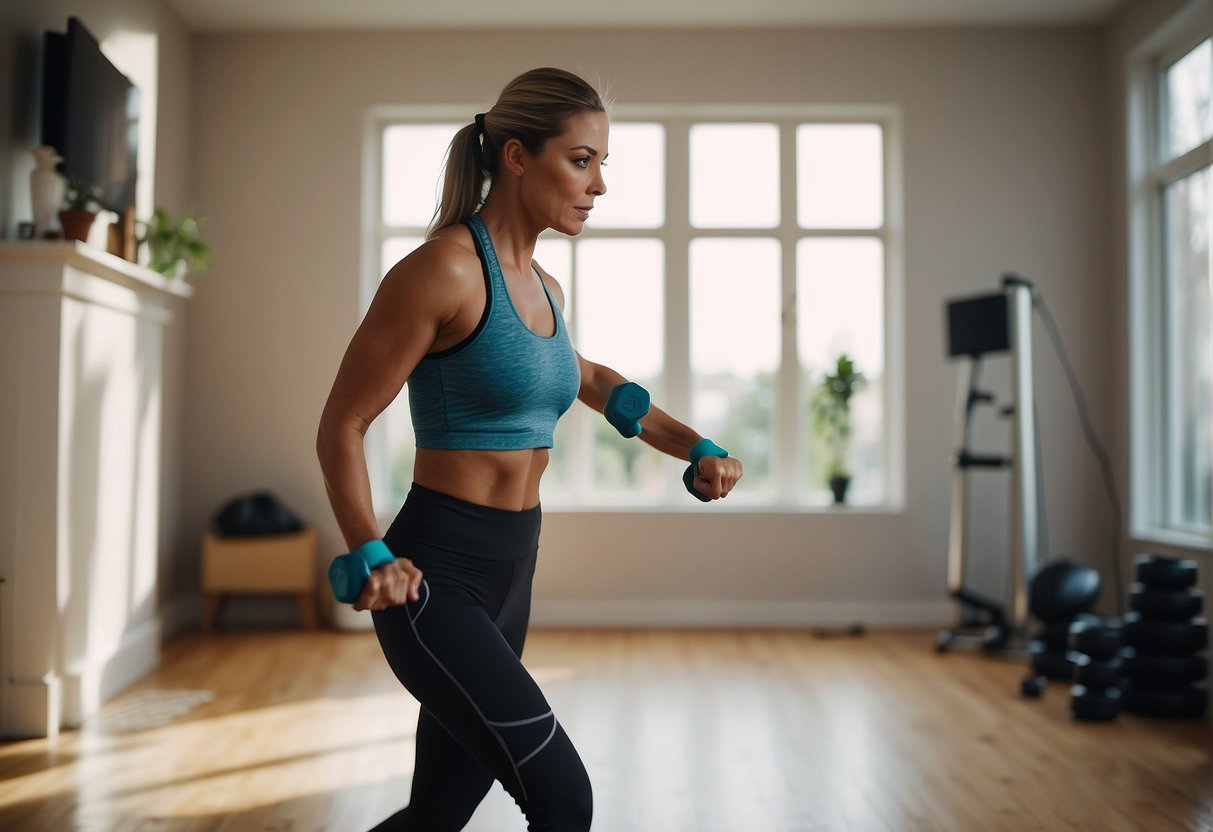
column 457, row 649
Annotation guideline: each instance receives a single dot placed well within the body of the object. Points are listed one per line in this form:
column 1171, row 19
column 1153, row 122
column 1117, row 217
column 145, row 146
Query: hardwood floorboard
column 682, row 731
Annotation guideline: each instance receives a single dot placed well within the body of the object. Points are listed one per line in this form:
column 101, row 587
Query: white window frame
column 676, row 234
column 1147, row 176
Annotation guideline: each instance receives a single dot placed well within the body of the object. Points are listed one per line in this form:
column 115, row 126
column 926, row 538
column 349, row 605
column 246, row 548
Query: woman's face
column 562, row 182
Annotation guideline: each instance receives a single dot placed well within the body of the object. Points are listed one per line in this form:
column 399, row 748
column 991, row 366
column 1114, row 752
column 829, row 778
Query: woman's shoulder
column 442, row 270
column 448, row 255
column 450, row 248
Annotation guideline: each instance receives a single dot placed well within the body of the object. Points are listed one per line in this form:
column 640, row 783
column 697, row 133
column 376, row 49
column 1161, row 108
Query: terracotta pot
column 76, row 224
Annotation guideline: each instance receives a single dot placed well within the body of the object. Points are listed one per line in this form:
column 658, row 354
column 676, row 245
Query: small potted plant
column 831, row 406
column 79, row 210
column 175, row 248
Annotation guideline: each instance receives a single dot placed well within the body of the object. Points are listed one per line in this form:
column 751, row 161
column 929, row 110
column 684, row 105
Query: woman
column 474, row 325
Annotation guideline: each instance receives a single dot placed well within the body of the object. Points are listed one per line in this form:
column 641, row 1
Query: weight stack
column 1165, row 637
column 1095, row 651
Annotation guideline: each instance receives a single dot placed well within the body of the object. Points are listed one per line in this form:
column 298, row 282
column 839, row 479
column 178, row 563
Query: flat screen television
column 90, row 115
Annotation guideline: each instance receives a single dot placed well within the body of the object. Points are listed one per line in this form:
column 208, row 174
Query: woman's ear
column 513, row 157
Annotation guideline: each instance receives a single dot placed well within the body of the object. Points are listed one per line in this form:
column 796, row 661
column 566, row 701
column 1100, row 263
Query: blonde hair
column 532, row 108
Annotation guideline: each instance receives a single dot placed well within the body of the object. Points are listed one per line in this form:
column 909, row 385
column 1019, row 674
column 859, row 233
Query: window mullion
column 791, row 417
column 677, row 265
column 581, row 464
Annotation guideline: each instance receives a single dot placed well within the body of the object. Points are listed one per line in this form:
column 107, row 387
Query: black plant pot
column 839, row 486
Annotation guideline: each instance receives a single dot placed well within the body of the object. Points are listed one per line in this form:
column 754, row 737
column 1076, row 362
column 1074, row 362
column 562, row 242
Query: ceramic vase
column 46, row 188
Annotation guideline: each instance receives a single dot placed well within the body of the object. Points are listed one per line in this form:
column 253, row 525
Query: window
column 731, row 262
column 1171, row 187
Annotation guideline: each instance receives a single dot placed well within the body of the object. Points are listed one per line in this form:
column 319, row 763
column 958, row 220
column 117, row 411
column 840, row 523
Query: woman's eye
column 584, row 161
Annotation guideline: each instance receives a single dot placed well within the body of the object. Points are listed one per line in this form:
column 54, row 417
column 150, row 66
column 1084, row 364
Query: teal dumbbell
column 702, row 448
column 348, row 574
column 625, row 407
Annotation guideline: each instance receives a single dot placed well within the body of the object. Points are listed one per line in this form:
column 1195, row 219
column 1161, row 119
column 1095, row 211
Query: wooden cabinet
column 276, row 564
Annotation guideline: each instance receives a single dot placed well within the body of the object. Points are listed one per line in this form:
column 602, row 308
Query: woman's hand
column 390, row 585
column 717, row 475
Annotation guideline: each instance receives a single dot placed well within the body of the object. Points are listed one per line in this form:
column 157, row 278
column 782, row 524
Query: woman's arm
column 414, row 300
column 715, row 477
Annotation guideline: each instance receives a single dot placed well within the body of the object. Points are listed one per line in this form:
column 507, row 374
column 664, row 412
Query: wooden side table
column 280, row 564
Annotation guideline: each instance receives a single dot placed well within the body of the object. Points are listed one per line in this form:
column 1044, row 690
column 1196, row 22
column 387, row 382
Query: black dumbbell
column 1166, row 604
column 1095, row 704
column 1149, row 670
column 1033, row 686
column 1165, row 638
column 1097, row 674
column 1099, row 641
column 1057, row 666
column 1158, row 572
column 1054, row 636
column 1182, row 703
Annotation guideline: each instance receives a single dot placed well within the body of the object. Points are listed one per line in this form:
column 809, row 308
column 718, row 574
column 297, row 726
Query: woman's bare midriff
column 506, row 480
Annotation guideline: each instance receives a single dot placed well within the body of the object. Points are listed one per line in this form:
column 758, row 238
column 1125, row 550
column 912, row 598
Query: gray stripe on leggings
column 520, row 721
column 468, row 696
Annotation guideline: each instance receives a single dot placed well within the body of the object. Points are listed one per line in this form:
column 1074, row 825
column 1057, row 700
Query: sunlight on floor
column 127, row 765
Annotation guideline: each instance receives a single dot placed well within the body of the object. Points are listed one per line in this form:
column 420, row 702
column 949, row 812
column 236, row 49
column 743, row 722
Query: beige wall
column 129, row 31
column 1006, row 166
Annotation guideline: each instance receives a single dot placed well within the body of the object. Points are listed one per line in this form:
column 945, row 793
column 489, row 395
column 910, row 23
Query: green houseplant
column 175, row 249
column 831, row 407
column 79, row 210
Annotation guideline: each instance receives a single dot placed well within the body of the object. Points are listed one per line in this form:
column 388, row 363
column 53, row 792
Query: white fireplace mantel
column 81, row 349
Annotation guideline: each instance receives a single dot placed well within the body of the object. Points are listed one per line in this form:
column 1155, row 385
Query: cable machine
column 979, row 326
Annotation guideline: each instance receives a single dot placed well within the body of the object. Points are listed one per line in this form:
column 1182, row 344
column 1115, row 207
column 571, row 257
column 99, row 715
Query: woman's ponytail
column 463, row 180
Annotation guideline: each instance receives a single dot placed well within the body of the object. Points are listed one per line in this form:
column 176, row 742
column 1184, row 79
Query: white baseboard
column 184, row 615
column 138, row 654
column 85, row 689
column 664, row 613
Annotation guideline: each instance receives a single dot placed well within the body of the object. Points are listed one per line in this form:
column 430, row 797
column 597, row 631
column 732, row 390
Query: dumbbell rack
column 979, row 326
column 1149, row 663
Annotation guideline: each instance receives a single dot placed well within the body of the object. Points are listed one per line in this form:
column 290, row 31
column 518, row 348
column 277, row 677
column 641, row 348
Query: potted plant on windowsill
column 831, row 406
column 175, row 248
column 78, row 212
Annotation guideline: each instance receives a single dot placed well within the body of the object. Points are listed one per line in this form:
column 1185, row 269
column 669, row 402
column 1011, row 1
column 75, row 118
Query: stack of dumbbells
column 1164, row 638
column 1095, row 651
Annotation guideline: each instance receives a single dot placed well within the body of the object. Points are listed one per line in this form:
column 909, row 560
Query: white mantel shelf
column 81, row 381
column 39, row 267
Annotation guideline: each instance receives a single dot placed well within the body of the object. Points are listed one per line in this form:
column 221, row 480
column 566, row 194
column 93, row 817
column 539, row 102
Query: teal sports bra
column 503, row 387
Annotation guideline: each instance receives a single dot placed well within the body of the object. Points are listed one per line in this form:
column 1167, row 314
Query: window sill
column 1168, row 537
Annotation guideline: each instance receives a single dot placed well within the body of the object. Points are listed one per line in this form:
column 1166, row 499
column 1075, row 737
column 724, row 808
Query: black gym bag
column 255, row 514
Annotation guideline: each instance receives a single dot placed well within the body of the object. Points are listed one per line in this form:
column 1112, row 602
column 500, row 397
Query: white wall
column 146, row 40
column 1006, row 168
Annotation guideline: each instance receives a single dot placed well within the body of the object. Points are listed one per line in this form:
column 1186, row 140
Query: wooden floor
column 696, row 731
